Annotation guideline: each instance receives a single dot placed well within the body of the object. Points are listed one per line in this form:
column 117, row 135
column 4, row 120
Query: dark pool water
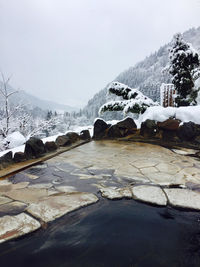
column 111, row 233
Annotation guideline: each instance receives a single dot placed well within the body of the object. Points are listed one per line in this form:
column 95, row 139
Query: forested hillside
column 146, row 75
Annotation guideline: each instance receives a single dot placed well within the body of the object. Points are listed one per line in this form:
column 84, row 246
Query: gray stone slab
column 15, row 226
column 4, row 200
column 115, row 193
column 183, row 198
column 55, row 206
column 12, row 208
column 150, row 194
column 30, row 195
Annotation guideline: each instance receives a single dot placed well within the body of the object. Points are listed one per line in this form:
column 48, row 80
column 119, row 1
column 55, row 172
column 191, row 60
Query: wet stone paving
column 109, row 169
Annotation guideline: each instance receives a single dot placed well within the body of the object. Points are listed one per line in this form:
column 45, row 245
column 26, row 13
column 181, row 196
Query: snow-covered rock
column 15, row 139
column 185, row 114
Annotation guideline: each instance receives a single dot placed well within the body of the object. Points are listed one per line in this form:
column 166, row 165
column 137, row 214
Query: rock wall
column 35, row 148
column 170, row 132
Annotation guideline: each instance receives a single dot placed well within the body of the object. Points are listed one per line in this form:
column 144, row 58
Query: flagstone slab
column 4, row 200
column 183, row 198
column 162, row 178
column 15, row 226
column 191, row 171
column 115, row 193
column 145, row 163
column 168, row 168
column 41, row 186
column 150, row 194
column 14, row 207
column 9, row 187
column 31, row 176
column 5, row 182
column 148, row 170
column 29, row 195
column 66, row 188
column 185, row 151
column 50, row 208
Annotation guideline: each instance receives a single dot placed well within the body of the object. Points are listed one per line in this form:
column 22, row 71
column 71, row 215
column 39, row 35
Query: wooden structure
column 167, row 95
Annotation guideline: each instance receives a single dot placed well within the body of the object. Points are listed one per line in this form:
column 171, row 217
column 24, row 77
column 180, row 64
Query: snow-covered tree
column 184, row 68
column 130, row 100
column 7, row 112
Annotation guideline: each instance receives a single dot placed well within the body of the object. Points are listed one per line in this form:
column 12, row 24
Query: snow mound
column 15, row 139
column 185, row 114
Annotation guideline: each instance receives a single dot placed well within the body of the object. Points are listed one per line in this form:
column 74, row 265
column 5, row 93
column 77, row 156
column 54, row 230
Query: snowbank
column 185, row 114
column 15, row 139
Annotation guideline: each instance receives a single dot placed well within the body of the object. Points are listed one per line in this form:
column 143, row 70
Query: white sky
column 67, row 50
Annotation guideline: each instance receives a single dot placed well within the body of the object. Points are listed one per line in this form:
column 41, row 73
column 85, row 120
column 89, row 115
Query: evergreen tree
column 131, row 100
column 184, row 61
column 49, row 115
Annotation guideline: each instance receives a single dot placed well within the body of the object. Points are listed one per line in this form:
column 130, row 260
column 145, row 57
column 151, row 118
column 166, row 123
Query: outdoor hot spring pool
column 111, row 233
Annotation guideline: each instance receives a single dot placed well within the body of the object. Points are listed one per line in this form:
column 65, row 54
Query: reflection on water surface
column 111, row 233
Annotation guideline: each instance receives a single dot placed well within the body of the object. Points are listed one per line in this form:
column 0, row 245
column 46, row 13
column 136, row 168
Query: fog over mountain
column 31, row 101
column 66, row 51
column 146, row 75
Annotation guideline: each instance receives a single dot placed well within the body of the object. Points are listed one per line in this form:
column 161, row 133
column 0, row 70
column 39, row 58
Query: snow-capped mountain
column 146, row 75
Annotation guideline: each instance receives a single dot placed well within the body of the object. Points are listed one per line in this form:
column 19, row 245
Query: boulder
column 85, row 135
column 188, row 131
column 170, row 125
column 6, row 160
column 63, row 140
column 148, row 128
column 7, row 157
column 19, row 157
column 34, row 148
column 115, row 132
column 197, row 139
column 122, row 128
column 50, row 146
column 169, row 129
column 73, row 137
column 100, row 126
column 168, row 135
column 127, row 123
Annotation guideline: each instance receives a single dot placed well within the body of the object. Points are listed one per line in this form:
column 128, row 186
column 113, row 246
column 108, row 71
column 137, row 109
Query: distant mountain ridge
column 33, row 101
column 146, row 75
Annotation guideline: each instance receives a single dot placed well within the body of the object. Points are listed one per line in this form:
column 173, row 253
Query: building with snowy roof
column 167, row 95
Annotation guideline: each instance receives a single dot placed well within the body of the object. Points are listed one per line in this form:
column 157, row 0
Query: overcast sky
column 67, row 50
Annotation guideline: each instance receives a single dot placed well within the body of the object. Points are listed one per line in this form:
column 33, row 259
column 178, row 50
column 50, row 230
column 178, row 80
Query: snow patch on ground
column 15, row 139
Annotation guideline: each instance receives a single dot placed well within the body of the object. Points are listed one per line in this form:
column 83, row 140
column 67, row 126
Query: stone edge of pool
column 36, row 215
column 17, row 167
